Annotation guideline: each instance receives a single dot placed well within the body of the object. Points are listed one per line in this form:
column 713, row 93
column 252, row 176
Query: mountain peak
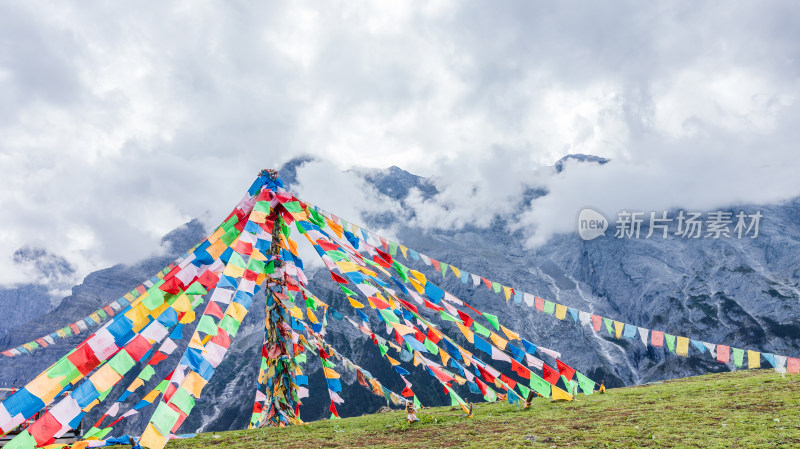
column 559, row 165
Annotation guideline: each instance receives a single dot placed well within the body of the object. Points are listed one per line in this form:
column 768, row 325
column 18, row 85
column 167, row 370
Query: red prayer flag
column 793, row 365
column 565, row 370
column 540, row 305
column 549, row 374
column 520, row 370
column 332, row 408
column 657, row 338
column 466, row 319
column 338, row 278
column 723, row 353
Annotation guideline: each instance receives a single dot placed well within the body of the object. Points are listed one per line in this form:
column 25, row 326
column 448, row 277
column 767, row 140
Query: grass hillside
column 742, row 409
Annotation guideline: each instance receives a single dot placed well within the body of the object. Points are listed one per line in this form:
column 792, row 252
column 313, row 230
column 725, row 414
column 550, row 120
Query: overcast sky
column 121, row 120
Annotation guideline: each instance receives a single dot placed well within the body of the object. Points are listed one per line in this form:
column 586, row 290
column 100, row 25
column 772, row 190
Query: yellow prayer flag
column 445, row 357
column 560, row 395
column 467, row 332
column 417, row 286
column 233, row 271
column 511, row 335
column 419, row 277
column 258, row 216
column 618, row 328
column 392, row 361
column 355, row 303
column 336, row 228
column 139, row 316
column 507, row 292
column 236, row 311
column 105, row 378
column 188, row 317
column 258, row 255
column 404, row 250
column 561, row 311
column 498, row 341
column 216, row 249
column 151, row 438
column 753, row 359
column 456, row 271
column 311, row 316
column 329, row 373
column 683, row 346
column 347, row 266
column 44, row 387
column 138, row 382
column 195, row 342
column 182, row 303
column 216, row 235
column 151, row 396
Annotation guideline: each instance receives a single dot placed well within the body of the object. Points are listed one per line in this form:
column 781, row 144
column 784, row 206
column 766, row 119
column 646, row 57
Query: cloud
column 120, row 122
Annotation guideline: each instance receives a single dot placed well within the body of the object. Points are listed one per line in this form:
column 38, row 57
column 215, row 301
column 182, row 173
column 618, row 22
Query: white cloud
column 121, row 121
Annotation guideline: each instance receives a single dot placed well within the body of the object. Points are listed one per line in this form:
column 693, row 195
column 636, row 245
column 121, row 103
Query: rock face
column 742, row 292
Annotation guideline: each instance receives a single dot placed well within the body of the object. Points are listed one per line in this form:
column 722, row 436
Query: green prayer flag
column 549, row 307
column 431, row 346
column 523, row 389
column 183, row 400
column 91, row 432
column 237, row 260
column 122, row 362
column 443, row 266
column 587, row 385
column 230, row 223
column 492, row 319
column 293, row 206
column 164, row 418
column 147, row 373
column 196, row 288
column 230, row 325
column 670, row 339
column 738, row 356
column 162, row 386
column 255, row 265
column 416, row 402
column 21, row 441
column 609, row 325
column 63, row 368
column 393, row 249
column 316, row 218
column 480, row 329
column 262, row 206
column 389, row 316
column 154, row 299
column 101, row 313
column 336, row 255
column 269, row 268
column 496, row 287
column 447, row 317
column 301, row 358
column 228, row 237
column 401, row 270
column 207, row 325
column 540, row 385
column 347, row 291
column 383, row 348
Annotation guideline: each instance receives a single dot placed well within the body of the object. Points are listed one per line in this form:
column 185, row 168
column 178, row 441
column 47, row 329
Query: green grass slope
column 742, row 409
